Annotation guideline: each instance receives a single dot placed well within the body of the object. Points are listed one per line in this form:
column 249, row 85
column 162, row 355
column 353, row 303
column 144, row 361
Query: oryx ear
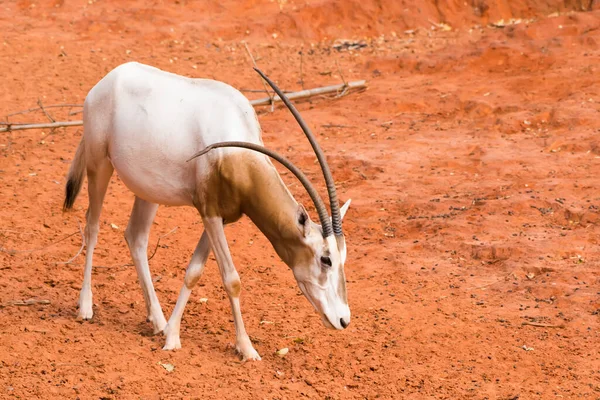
column 345, row 208
column 303, row 220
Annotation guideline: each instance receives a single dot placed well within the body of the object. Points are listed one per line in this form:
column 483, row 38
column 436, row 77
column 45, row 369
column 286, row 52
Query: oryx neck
column 273, row 209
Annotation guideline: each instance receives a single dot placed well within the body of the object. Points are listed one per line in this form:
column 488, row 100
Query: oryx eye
column 326, row 261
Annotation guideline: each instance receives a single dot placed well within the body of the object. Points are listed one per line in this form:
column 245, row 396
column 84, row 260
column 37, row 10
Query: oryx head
column 321, row 276
column 318, row 263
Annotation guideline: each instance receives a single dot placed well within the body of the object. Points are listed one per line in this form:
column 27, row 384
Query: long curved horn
column 336, row 218
column 314, row 195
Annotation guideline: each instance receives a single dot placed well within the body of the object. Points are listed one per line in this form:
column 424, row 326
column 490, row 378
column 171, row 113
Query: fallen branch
column 30, row 302
column 19, row 127
column 540, row 325
column 313, row 92
column 340, row 89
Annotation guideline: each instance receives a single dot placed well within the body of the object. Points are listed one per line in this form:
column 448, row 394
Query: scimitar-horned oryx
column 145, row 124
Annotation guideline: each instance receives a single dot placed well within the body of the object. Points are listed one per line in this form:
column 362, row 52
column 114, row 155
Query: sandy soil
column 472, row 161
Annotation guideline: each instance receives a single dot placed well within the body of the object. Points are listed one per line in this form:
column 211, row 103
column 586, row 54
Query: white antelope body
column 145, row 124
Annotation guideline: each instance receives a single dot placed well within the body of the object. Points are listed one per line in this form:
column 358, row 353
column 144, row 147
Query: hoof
column 85, row 306
column 159, row 323
column 158, row 329
column 173, row 341
column 172, row 344
column 248, row 353
column 85, row 315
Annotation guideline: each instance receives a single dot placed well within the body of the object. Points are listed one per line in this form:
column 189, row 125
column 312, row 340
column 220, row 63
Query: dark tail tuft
column 75, row 177
column 71, row 192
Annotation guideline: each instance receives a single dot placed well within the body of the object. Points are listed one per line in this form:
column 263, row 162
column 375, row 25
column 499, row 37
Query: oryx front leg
column 231, row 282
column 192, row 274
column 136, row 235
column 98, row 179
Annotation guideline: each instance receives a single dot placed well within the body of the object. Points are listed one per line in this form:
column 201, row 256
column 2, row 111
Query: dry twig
column 29, row 110
column 301, row 69
column 261, row 79
column 30, row 302
column 340, row 72
column 80, row 249
column 158, row 241
column 335, row 126
column 345, row 87
column 17, row 232
column 149, row 258
column 39, row 102
column 12, row 251
column 540, row 325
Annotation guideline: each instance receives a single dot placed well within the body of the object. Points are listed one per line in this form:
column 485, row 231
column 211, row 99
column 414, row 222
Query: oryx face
column 321, row 278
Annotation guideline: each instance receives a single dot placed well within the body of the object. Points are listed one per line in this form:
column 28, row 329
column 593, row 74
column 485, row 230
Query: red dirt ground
column 472, row 161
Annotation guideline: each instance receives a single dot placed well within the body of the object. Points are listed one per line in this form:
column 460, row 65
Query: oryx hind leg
column 98, row 173
column 136, row 235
